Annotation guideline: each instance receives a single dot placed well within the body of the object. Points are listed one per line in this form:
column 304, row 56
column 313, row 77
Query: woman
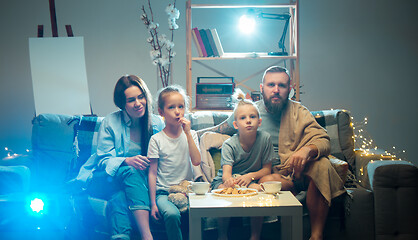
column 118, row 170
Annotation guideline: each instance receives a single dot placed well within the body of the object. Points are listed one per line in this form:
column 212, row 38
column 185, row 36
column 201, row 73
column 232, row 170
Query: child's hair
column 162, row 93
column 239, row 99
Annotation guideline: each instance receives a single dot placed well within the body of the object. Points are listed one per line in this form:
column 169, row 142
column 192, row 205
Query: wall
column 357, row 55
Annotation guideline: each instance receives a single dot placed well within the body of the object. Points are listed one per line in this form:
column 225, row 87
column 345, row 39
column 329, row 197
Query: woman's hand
column 155, row 214
column 186, row 124
column 244, row 180
column 138, row 162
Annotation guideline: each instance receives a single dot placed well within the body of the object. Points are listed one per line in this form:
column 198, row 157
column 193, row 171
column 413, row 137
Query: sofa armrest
column 395, row 188
column 359, row 212
column 363, row 158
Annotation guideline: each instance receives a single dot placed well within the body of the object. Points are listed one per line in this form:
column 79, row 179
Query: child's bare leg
column 256, row 226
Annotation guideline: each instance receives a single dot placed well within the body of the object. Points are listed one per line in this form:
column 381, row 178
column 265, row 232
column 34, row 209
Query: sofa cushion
column 205, row 119
column 52, row 149
column 340, row 130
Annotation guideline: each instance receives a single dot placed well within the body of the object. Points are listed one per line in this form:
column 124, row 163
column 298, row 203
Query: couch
column 381, row 200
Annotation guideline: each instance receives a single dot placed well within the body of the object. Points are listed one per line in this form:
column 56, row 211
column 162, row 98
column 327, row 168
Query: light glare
column 246, row 24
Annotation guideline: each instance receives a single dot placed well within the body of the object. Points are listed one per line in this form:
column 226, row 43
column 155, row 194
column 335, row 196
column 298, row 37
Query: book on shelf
column 212, row 42
column 217, row 41
column 206, row 43
column 196, row 43
column 200, row 44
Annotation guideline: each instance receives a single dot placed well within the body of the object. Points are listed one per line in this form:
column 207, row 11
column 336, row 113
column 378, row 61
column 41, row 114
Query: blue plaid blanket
column 85, row 141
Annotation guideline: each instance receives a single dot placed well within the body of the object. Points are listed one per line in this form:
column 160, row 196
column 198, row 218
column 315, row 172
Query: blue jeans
column 126, row 191
column 170, row 214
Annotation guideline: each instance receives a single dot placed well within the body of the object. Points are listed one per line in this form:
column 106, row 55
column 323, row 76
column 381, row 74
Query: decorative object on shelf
column 162, row 53
column 214, row 92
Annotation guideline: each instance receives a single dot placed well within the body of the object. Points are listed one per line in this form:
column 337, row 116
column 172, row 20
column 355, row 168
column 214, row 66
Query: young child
column 247, row 154
column 172, row 153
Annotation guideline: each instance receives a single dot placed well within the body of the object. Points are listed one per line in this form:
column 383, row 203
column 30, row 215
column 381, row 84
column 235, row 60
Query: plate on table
column 242, row 192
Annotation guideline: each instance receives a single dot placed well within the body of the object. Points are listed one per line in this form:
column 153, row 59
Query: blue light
column 37, row 205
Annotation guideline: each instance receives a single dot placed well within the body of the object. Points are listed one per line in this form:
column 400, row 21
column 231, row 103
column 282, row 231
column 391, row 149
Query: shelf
column 246, row 55
column 293, row 41
column 242, row 6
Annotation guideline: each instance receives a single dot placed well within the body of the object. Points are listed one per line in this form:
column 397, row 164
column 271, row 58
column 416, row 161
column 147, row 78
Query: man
column 302, row 146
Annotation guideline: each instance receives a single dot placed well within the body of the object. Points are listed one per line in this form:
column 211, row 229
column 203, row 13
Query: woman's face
column 136, row 103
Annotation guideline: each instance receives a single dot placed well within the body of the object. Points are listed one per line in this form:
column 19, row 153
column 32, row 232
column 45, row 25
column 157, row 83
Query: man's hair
column 277, row 69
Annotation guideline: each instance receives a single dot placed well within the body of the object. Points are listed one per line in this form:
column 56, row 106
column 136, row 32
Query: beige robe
column 298, row 128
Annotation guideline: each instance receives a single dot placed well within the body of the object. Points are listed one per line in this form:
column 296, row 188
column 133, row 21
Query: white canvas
column 59, row 75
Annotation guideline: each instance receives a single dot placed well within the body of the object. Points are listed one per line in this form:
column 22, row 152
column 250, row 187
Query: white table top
column 209, row 200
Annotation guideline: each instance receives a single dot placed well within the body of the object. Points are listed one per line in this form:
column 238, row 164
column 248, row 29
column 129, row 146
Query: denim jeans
column 170, row 214
column 126, row 191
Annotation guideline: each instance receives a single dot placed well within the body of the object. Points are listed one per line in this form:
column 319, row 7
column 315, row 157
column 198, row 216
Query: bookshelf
column 293, row 42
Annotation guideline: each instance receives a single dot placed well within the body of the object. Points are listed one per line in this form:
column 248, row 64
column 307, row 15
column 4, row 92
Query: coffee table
column 210, row 205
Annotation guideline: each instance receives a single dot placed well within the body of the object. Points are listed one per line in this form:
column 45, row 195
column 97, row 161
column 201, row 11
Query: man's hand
column 298, row 160
column 138, row 162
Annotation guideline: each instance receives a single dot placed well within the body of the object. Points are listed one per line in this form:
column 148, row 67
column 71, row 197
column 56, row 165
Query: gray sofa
column 382, row 195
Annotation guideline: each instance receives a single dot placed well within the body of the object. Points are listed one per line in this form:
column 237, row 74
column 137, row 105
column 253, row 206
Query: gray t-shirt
column 245, row 162
column 270, row 124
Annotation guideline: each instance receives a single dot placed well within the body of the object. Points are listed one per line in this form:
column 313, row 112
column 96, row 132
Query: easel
column 54, row 25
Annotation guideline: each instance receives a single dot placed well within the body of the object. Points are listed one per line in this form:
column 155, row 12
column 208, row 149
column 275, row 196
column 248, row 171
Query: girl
column 120, row 163
column 172, row 153
column 247, row 154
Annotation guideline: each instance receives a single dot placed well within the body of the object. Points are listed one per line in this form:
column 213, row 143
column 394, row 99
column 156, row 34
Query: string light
column 363, row 142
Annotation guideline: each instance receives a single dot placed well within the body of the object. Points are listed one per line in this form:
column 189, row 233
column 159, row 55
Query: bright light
column 246, row 24
column 37, row 205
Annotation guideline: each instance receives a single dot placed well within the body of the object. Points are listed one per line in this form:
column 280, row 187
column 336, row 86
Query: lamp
column 247, row 24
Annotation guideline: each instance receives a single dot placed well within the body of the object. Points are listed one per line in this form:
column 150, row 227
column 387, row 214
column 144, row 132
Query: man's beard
column 275, row 108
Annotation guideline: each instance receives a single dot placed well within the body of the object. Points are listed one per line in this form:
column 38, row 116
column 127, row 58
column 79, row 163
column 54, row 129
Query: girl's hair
column 119, row 98
column 239, row 99
column 164, row 92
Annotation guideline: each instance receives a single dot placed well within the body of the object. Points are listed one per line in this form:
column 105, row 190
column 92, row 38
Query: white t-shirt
column 174, row 163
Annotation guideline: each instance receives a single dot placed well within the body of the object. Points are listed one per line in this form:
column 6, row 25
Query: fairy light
column 363, row 142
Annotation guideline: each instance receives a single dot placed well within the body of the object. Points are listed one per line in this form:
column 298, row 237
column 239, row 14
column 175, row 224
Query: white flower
column 172, row 25
column 164, row 61
column 153, row 25
column 155, row 61
column 154, row 54
column 169, row 45
column 173, row 54
column 162, row 38
column 150, row 40
column 143, row 16
column 172, row 12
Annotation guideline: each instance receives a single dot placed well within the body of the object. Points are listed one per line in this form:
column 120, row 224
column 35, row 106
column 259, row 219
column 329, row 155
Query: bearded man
column 302, row 146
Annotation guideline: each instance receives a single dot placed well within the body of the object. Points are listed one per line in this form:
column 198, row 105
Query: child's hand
column 244, row 180
column 155, row 214
column 186, row 124
column 230, row 182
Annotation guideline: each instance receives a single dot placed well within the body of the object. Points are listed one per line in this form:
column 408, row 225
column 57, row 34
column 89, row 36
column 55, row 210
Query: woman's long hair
column 119, row 99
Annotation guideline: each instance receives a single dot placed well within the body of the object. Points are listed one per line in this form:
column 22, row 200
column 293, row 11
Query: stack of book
column 207, row 42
